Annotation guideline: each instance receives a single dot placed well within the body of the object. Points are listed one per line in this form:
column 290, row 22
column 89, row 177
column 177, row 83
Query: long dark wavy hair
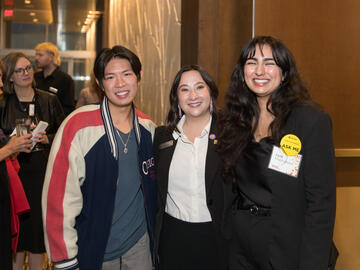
column 173, row 115
column 239, row 118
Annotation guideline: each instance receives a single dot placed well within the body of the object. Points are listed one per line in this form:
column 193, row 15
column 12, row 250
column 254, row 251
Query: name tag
column 53, row 90
column 166, row 144
column 283, row 163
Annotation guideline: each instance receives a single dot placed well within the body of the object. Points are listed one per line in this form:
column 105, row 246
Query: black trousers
column 187, row 246
column 249, row 246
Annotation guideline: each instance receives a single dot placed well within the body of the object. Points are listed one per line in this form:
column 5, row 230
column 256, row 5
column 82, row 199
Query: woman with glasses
column 7, row 178
column 23, row 101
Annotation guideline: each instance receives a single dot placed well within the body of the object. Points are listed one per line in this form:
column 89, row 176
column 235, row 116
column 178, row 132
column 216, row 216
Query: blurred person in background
column 91, row 94
column 51, row 78
column 9, row 180
column 23, row 100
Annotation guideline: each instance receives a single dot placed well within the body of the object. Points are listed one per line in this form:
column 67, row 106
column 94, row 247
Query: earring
column 180, row 113
column 211, row 107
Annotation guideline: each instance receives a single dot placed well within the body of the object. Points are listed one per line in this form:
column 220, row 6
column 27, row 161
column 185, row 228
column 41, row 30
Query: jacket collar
column 110, row 129
column 180, row 124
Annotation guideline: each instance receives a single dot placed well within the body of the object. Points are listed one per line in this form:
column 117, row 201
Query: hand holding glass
column 22, row 126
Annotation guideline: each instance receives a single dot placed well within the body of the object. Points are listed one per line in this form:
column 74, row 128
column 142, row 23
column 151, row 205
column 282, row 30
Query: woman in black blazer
column 189, row 177
column 277, row 150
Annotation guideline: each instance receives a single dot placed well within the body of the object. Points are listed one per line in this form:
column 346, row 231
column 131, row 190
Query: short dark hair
column 173, row 115
column 107, row 54
column 10, row 61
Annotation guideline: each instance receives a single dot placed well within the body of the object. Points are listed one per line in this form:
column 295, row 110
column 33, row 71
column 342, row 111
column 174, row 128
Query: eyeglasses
column 21, row 71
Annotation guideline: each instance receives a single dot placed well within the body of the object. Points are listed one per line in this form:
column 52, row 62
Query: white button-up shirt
column 186, row 198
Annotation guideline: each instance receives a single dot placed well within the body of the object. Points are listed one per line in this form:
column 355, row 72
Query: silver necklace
column 122, row 141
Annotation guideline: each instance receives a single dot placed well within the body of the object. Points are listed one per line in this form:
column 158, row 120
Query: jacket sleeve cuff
column 70, row 264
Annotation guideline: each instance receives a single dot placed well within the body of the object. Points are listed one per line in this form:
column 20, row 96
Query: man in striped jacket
column 99, row 195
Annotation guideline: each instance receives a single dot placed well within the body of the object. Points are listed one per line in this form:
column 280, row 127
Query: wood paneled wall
column 222, row 27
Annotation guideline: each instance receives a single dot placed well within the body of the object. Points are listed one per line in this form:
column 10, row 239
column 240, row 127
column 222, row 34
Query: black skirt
column 187, row 246
column 31, row 174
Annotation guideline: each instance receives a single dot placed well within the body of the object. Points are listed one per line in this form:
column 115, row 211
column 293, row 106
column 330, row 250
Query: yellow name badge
column 290, row 144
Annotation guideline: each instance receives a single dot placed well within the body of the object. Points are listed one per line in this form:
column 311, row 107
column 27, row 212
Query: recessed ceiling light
column 27, row 2
column 35, row 20
column 32, row 14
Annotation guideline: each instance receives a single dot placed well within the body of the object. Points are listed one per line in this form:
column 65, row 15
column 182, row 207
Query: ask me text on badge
column 283, row 163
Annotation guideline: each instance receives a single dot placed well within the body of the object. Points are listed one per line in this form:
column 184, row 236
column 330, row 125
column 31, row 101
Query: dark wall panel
column 189, row 31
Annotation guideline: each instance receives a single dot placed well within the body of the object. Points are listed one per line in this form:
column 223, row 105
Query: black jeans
column 249, row 246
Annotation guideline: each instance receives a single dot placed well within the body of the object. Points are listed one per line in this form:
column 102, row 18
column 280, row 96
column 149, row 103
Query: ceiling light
column 32, row 14
column 35, row 20
column 94, row 12
column 27, row 2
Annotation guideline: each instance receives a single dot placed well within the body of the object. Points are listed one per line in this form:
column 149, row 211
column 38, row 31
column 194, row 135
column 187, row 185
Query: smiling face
column 262, row 75
column 194, row 95
column 23, row 74
column 120, row 83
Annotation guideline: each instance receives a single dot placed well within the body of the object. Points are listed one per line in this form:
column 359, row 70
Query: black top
column 252, row 169
column 62, row 85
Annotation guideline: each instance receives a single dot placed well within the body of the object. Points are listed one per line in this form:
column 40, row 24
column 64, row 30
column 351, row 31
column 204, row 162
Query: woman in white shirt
column 189, row 220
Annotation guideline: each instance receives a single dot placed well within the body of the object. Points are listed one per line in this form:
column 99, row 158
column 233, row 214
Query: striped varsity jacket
column 80, row 185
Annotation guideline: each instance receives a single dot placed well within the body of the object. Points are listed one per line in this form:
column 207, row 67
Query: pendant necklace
column 122, row 141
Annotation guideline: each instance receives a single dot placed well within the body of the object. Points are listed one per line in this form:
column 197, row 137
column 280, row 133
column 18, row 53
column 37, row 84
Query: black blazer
column 303, row 208
column 164, row 146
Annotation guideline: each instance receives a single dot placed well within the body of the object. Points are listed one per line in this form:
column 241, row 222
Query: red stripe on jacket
column 57, row 183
